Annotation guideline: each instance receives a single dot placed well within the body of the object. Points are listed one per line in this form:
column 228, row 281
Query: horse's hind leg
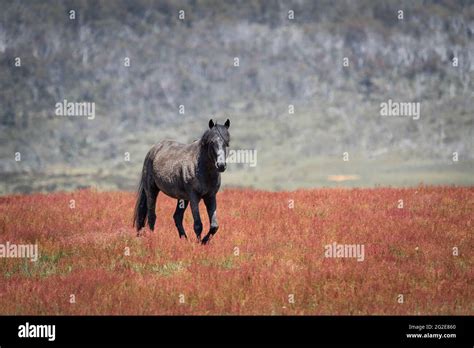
column 211, row 206
column 178, row 217
column 151, row 192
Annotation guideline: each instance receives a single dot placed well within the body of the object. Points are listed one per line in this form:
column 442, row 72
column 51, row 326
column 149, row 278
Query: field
column 267, row 258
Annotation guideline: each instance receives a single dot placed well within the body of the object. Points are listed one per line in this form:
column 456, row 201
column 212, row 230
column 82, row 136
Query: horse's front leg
column 194, row 200
column 178, row 217
column 211, row 206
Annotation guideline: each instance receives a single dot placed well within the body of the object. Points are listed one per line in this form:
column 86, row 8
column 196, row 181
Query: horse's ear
column 227, row 124
column 211, row 123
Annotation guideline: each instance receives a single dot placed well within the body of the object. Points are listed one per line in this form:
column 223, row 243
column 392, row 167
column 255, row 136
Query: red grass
column 281, row 253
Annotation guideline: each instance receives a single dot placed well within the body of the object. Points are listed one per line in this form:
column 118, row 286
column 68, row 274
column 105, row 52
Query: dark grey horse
column 187, row 172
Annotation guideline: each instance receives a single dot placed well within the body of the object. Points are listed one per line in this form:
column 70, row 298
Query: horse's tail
column 139, row 216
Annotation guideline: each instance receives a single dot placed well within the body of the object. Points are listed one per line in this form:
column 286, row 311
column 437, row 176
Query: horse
column 188, row 173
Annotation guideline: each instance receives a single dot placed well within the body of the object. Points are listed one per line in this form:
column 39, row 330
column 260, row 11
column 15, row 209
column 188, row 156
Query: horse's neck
column 204, row 161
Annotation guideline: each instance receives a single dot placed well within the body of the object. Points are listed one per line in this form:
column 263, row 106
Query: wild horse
column 187, row 172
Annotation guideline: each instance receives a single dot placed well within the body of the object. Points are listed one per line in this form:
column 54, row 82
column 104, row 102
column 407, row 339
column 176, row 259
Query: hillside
column 282, row 62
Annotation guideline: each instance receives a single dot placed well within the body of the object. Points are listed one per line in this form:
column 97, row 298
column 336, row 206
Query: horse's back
column 171, row 152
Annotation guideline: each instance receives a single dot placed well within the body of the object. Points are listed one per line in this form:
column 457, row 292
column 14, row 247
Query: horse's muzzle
column 221, row 167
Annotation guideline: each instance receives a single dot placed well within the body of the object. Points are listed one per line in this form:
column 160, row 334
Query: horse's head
column 218, row 139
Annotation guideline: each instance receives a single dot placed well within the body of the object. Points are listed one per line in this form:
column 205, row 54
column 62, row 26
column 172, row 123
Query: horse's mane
column 206, row 137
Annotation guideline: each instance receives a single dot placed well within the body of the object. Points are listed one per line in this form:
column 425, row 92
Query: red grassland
column 263, row 253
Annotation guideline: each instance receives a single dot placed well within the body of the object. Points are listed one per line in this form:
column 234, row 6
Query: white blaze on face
column 220, row 156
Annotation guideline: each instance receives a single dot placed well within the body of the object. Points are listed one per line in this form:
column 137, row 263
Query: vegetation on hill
column 190, row 62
